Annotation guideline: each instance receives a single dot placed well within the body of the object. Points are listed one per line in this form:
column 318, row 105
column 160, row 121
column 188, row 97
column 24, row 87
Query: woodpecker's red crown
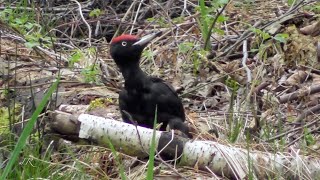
column 127, row 49
column 124, row 37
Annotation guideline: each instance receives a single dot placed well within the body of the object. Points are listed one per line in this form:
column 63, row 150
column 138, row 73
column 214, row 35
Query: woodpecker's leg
column 176, row 123
column 126, row 117
column 164, row 126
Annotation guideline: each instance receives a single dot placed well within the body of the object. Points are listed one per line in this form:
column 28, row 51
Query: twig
column 185, row 8
column 300, row 93
column 212, row 81
column 244, row 36
column 248, row 32
column 42, row 84
column 136, row 126
column 262, row 86
column 84, row 20
column 136, row 16
column 292, row 130
column 170, row 167
column 308, row 112
column 297, row 139
column 244, row 61
column 123, row 18
column 318, row 51
column 51, row 53
column 172, row 137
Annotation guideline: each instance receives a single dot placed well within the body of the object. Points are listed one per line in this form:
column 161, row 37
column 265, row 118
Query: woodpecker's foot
column 179, row 125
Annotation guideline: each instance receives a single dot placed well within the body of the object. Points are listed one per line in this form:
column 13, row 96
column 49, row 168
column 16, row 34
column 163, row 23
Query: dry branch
column 236, row 163
column 318, row 51
column 314, row 110
column 299, row 94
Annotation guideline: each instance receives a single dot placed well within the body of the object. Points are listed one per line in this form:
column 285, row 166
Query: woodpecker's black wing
column 170, row 108
column 158, row 80
column 131, row 108
column 166, row 96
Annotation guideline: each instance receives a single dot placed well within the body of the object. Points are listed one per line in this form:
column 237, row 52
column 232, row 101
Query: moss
column 100, row 102
column 4, row 117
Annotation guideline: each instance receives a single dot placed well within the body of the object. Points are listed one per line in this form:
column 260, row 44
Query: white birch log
column 232, row 162
column 133, row 140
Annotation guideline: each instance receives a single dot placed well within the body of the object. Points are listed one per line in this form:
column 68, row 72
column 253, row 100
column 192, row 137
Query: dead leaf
column 297, row 78
column 315, row 78
column 313, row 29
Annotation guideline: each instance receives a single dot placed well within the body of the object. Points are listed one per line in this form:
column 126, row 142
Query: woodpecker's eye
column 124, row 43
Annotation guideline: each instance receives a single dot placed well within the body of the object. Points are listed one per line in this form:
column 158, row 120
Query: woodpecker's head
column 127, row 49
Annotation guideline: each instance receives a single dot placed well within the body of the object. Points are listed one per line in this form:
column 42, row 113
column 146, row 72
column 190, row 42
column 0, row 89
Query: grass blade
column 203, row 24
column 28, row 129
column 152, row 150
column 114, row 152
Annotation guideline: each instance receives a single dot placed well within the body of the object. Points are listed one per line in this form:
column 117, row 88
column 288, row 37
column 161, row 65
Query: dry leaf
column 313, row 29
column 315, row 78
column 297, row 78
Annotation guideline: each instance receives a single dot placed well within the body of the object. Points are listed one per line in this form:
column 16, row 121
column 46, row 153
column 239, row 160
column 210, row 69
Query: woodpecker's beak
column 146, row 39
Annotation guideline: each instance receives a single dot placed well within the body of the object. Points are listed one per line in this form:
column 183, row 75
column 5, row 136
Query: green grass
column 27, row 131
column 235, row 123
column 152, row 149
column 250, row 165
column 207, row 23
column 120, row 165
column 203, row 20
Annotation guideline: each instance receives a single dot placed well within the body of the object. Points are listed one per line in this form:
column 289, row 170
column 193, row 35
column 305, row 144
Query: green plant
column 207, row 21
column 115, row 154
column 161, row 21
column 185, row 47
column 178, row 20
column 309, row 139
column 25, row 23
column 75, row 57
column 234, row 123
column 314, row 8
column 148, row 54
column 264, row 35
column 34, row 163
column 95, row 13
column 250, row 162
column 152, row 148
column 37, row 39
column 198, row 55
column 27, row 130
column 280, row 37
column 265, row 43
column 282, row 141
column 235, row 128
column 291, row 2
column 6, row 113
column 267, row 132
column 91, row 73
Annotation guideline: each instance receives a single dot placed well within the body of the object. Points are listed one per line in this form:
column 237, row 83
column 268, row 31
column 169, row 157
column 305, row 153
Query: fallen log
column 232, row 162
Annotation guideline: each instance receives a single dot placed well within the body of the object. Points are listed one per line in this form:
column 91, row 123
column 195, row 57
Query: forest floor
column 240, row 67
